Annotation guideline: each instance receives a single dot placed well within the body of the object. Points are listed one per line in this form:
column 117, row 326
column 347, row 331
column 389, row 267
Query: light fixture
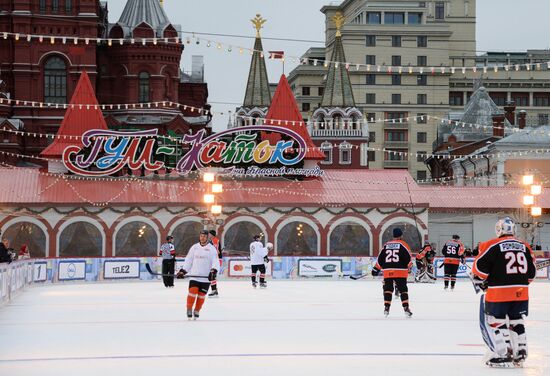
column 536, row 211
column 209, row 198
column 208, row 177
column 528, row 179
column 216, row 209
column 536, row 189
column 217, row 188
column 528, row 200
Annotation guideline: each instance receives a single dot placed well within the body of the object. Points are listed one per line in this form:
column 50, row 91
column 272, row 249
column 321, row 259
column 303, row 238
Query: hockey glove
column 266, row 259
column 181, row 274
column 480, row 283
column 212, row 275
column 375, row 272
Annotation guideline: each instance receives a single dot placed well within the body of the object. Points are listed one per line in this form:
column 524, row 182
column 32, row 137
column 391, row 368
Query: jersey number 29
column 392, row 255
column 517, row 263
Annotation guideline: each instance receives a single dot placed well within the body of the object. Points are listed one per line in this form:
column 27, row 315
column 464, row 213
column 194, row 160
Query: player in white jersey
column 258, row 258
column 202, row 264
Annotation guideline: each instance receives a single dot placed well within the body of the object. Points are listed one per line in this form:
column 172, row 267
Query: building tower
column 257, row 97
column 337, row 126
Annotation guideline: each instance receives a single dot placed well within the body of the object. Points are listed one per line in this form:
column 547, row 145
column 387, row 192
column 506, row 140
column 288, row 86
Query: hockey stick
column 542, row 264
column 148, row 267
column 414, row 212
column 357, row 277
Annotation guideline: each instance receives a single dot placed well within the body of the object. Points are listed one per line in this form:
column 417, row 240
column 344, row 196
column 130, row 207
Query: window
column 421, row 156
column 541, row 100
column 306, row 107
column 396, row 41
column 144, row 87
column 55, row 81
column 371, row 41
column 345, row 153
column 374, row 18
column 371, row 98
column 422, row 99
column 82, row 239
column 521, row 99
column 439, row 10
column 349, row 239
column 371, row 79
column 396, row 79
column 498, row 98
column 400, row 136
column 421, row 118
column 371, row 59
column 326, row 148
column 421, row 80
column 415, row 18
column 42, row 6
column 421, row 175
column 422, row 61
column 543, row 119
column 396, row 61
column 371, row 155
column 68, row 6
column 236, row 237
column 422, row 137
column 305, row 90
column 456, row 98
column 394, row 18
column 55, row 6
column 396, row 99
column 422, row 41
column 395, row 155
column 371, row 116
column 321, row 91
column 396, row 115
column 297, row 239
column 372, row 136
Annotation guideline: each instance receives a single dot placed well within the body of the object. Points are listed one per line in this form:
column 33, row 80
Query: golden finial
column 258, row 23
column 162, row 3
column 338, row 20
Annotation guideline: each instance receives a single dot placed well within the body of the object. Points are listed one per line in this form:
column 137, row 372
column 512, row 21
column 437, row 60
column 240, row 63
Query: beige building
column 422, row 36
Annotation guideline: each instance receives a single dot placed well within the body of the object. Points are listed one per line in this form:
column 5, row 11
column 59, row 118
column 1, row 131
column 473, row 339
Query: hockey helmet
column 505, row 226
column 269, row 246
column 169, row 238
column 257, row 237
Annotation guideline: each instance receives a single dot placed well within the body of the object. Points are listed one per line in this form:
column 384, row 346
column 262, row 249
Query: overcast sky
column 501, row 25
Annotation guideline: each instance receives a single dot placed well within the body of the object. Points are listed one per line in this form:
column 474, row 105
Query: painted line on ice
column 259, row 355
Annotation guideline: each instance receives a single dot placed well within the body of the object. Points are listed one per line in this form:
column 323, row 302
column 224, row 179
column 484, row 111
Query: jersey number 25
column 392, row 255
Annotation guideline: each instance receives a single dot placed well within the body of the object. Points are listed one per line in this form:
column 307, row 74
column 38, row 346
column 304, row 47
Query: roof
column 137, row 12
column 338, row 91
column 77, row 120
column 537, row 136
column 364, row 188
column 348, row 188
column 257, row 92
column 284, row 107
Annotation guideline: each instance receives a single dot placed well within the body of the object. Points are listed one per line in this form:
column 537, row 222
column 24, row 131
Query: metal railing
column 338, row 133
column 396, row 164
column 15, row 277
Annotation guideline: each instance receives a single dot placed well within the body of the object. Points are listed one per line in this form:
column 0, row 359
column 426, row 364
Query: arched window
column 144, row 87
column 297, row 239
column 29, row 234
column 80, row 239
column 238, row 237
column 185, row 235
column 326, row 148
column 349, row 239
column 410, row 235
column 345, row 153
column 55, row 81
column 136, row 239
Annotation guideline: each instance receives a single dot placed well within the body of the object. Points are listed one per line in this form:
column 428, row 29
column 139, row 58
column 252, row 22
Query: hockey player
column 453, row 251
column 258, row 258
column 202, row 262
column 215, row 241
column 168, row 253
column 395, row 260
column 505, row 267
column 423, row 263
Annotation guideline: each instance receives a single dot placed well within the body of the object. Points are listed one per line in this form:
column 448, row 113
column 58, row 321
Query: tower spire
column 257, row 87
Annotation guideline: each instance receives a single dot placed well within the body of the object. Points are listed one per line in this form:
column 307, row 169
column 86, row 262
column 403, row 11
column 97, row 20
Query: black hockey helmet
column 257, row 237
column 169, row 238
column 213, row 232
column 456, row 237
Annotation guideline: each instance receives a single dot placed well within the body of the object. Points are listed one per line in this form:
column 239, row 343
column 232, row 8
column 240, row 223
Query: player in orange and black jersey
column 424, row 266
column 453, row 251
column 215, row 241
column 504, row 267
column 395, row 260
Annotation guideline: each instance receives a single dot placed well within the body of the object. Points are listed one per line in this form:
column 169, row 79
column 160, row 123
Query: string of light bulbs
column 75, row 40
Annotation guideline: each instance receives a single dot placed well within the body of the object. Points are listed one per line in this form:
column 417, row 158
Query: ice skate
column 195, row 315
column 189, row 314
column 386, row 312
column 254, row 284
column 520, row 358
column 408, row 313
column 263, row 285
column 214, row 294
column 506, row 362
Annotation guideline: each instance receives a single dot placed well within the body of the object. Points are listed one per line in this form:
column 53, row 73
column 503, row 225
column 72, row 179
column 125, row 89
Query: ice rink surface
column 291, row 328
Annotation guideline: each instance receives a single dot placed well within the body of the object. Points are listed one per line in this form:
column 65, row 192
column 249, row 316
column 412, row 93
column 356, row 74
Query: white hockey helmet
column 269, row 246
column 505, row 226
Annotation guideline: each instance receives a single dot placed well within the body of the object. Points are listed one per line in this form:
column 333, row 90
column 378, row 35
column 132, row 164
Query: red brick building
column 35, row 69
